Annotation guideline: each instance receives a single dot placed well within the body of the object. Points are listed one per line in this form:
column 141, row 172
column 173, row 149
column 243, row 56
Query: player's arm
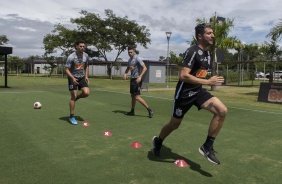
column 86, row 68
column 185, row 76
column 71, row 76
column 125, row 73
column 144, row 69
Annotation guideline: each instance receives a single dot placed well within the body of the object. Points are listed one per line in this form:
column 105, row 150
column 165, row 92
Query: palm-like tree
column 276, row 31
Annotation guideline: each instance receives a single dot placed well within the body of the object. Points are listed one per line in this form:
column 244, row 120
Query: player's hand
column 138, row 79
column 75, row 81
column 124, row 76
column 87, row 80
column 216, row 80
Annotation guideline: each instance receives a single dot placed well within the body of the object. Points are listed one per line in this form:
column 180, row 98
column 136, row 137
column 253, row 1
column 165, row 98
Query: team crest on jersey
column 200, row 52
column 178, row 112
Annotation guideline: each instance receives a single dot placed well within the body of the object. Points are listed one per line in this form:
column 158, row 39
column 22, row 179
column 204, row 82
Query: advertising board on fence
column 270, row 92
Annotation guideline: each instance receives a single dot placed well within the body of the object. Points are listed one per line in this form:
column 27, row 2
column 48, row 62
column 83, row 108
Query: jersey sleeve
column 68, row 62
column 140, row 61
column 189, row 58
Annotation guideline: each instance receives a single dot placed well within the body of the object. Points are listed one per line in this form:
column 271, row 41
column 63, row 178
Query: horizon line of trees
column 103, row 35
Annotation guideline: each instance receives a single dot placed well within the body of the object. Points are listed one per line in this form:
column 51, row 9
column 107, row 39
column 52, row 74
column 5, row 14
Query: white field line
column 21, row 92
column 171, row 99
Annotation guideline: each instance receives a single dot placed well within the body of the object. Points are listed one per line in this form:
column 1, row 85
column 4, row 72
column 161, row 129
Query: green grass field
column 40, row 146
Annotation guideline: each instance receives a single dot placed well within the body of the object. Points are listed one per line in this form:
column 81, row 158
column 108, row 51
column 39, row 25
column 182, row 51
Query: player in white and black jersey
column 189, row 92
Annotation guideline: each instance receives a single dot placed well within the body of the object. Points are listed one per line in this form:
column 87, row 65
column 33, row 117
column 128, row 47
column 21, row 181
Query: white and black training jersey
column 77, row 64
column 199, row 61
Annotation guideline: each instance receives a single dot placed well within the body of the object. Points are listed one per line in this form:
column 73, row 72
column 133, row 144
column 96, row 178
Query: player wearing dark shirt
column 189, row 92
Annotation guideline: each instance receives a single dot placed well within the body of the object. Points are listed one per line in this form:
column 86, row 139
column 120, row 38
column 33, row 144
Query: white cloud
column 25, row 23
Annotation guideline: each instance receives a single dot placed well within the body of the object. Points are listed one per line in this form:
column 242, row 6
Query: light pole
column 168, row 34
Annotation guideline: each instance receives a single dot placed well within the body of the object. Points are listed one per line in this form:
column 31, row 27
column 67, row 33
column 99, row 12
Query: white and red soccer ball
column 37, row 105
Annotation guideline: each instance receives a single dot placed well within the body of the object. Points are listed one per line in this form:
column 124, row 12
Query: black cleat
column 130, row 113
column 151, row 113
column 156, row 146
column 209, row 154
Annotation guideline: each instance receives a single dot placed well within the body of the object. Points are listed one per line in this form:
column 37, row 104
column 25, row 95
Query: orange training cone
column 107, row 133
column 180, row 163
column 85, row 124
column 136, row 145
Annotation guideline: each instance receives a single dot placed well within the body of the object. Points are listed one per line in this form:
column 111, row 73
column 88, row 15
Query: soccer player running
column 77, row 71
column 138, row 69
column 197, row 60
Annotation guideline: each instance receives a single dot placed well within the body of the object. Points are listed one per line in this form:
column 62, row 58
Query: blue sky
column 25, row 23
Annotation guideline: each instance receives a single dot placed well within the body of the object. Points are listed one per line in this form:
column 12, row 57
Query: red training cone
column 107, row 133
column 136, row 145
column 180, row 163
column 85, row 124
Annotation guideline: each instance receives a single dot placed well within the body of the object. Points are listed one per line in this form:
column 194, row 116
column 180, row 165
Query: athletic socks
column 71, row 115
column 209, row 142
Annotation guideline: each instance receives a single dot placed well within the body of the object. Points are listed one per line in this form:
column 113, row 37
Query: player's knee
column 137, row 97
column 222, row 112
column 86, row 94
column 73, row 97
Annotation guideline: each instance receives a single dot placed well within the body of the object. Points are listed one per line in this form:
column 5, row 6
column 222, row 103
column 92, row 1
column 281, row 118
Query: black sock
column 71, row 115
column 132, row 110
column 159, row 140
column 209, row 142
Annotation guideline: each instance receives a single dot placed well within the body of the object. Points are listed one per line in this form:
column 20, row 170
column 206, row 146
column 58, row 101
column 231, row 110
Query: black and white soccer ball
column 37, row 105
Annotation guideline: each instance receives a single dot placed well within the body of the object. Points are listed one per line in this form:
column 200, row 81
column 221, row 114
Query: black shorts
column 182, row 105
column 135, row 87
column 82, row 83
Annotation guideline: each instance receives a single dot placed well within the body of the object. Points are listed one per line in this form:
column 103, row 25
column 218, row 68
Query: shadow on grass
column 66, row 118
column 166, row 153
column 124, row 113
column 252, row 94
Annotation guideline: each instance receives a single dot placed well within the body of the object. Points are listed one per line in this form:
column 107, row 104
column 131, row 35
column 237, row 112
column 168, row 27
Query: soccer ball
column 37, row 105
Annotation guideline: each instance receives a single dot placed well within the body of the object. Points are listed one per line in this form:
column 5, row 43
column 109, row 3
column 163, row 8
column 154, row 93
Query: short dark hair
column 131, row 48
column 200, row 29
column 78, row 42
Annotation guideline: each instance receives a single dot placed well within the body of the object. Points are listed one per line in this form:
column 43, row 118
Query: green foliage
column 104, row 35
column 60, row 38
column 3, row 39
column 111, row 32
column 276, row 31
column 16, row 64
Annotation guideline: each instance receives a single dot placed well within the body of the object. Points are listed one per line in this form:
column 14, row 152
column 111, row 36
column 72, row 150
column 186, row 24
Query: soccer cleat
column 131, row 113
column 156, row 147
column 209, row 154
column 151, row 113
column 73, row 121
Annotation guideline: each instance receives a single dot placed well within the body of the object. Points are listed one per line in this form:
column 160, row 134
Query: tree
column 101, row 35
column 60, row 38
column 111, row 33
column 3, row 39
column 271, row 51
column 276, row 31
column 15, row 63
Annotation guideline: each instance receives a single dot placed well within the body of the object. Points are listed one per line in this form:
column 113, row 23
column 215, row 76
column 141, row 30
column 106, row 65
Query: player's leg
column 83, row 86
column 85, row 92
column 143, row 102
column 219, row 110
column 72, row 106
column 73, row 93
column 172, row 125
